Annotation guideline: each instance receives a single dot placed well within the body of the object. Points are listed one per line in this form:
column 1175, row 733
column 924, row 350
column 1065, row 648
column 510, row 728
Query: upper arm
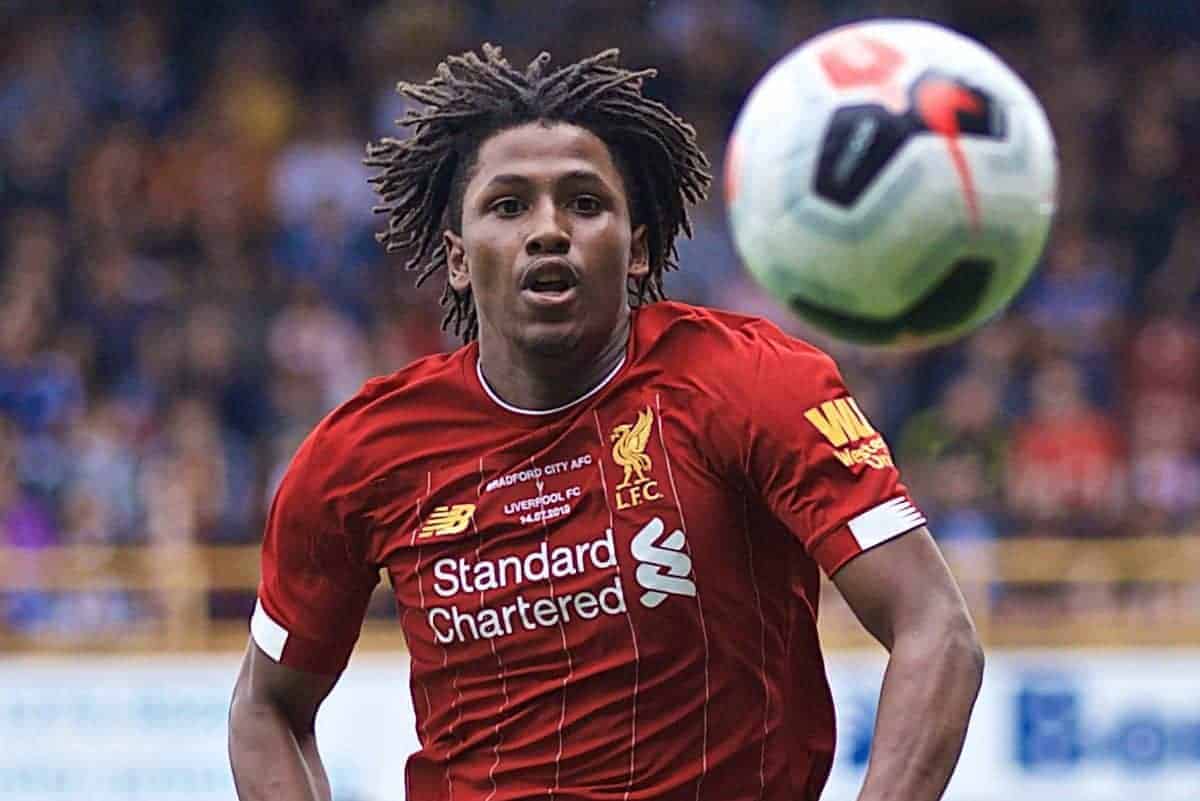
column 901, row 586
column 823, row 471
column 295, row 693
column 814, row 458
column 317, row 578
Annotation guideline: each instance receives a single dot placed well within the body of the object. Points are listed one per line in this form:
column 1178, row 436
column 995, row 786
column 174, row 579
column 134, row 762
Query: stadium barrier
column 1083, row 725
column 1139, row 591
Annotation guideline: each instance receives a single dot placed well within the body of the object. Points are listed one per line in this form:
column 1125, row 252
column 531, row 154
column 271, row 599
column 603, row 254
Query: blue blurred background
column 189, row 281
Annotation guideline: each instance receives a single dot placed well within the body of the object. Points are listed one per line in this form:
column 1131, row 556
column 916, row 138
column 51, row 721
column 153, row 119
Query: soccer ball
column 892, row 182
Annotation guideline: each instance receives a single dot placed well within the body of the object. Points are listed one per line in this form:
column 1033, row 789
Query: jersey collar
column 541, row 412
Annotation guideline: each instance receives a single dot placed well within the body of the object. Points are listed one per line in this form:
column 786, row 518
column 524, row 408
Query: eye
column 507, row 207
column 587, row 204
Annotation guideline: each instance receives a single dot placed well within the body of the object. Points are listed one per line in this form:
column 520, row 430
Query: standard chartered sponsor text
column 458, row 577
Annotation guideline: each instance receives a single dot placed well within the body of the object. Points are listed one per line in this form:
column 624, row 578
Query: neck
column 537, row 381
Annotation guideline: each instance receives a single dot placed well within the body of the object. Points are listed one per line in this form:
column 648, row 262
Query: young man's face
column 547, row 244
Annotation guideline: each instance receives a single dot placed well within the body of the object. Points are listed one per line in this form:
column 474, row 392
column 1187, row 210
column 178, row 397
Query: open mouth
column 551, row 285
column 549, row 281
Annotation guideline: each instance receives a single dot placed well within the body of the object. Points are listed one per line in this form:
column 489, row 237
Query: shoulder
column 728, row 346
column 342, row 455
column 683, row 324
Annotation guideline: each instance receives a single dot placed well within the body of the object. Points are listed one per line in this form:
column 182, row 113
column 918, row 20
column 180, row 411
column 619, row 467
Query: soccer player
column 605, row 516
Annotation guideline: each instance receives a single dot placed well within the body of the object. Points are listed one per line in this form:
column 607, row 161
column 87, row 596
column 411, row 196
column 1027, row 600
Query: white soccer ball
column 892, row 182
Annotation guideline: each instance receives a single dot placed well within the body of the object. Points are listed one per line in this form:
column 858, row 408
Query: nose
column 548, row 234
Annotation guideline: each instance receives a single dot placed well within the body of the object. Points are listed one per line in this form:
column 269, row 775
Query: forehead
column 540, row 151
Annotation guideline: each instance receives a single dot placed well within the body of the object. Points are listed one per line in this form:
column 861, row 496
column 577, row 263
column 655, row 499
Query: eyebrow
column 509, row 179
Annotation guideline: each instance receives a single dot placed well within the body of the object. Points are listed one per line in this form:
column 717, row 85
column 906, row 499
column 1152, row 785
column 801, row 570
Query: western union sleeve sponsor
column 847, row 429
column 873, row 453
column 840, row 421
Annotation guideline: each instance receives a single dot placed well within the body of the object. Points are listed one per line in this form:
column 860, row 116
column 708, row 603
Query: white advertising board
column 1059, row 726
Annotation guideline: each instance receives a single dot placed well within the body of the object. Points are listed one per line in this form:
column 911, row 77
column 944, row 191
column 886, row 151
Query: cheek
column 612, row 245
column 486, row 259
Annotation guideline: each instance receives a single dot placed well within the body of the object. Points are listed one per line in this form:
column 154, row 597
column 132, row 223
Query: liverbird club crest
column 629, row 452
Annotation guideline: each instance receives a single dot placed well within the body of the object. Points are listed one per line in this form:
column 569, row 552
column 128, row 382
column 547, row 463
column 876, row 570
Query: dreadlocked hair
column 472, row 97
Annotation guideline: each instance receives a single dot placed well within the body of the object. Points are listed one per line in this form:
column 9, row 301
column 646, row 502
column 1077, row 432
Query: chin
column 548, row 341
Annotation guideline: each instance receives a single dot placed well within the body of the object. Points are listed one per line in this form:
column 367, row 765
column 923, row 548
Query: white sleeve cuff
column 268, row 635
column 885, row 521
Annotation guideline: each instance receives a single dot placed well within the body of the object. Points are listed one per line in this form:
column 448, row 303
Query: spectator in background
column 1163, row 403
column 409, row 329
column 250, row 93
column 115, row 299
column 323, row 166
column 44, row 101
column 1066, row 471
column 141, row 87
column 186, row 260
column 1164, row 356
column 1145, row 200
column 708, row 253
column 402, row 39
column 1175, row 288
column 1165, row 463
column 36, row 159
column 107, row 186
column 211, row 367
column 102, row 486
column 954, row 456
column 88, row 520
column 333, row 253
column 25, row 522
column 40, row 384
column 1076, row 305
column 312, row 339
column 195, row 478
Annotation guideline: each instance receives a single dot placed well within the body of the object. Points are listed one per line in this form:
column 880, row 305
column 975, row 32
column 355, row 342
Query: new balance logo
column 448, row 520
column 664, row 567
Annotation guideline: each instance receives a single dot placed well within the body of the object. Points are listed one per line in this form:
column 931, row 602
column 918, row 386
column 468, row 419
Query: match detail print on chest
column 510, row 490
column 540, row 489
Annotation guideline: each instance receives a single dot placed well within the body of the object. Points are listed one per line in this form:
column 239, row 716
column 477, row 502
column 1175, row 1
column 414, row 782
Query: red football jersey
column 615, row 599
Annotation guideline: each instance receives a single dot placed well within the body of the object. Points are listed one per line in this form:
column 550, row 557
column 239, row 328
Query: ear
column 458, row 273
column 639, row 255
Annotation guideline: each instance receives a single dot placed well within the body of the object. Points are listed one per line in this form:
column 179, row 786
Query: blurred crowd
column 189, row 278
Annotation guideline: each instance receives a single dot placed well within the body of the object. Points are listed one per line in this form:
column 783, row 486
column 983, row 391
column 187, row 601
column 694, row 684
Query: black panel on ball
column 862, row 139
column 858, row 144
column 954, row 301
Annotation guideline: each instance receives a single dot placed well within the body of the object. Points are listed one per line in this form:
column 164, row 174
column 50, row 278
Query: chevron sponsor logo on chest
column 637, row 484
column 664, row 567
